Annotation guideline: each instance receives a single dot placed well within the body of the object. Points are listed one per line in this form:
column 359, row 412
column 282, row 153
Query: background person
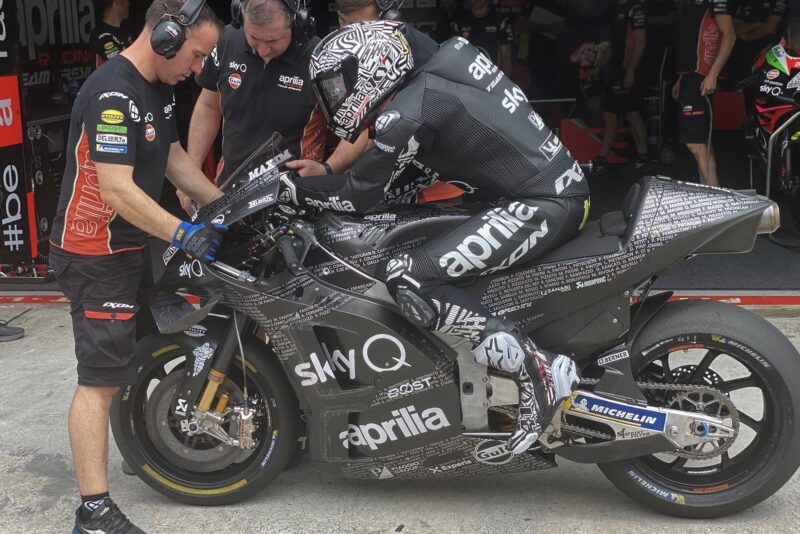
column 624, row 87
column 488, row 31
column 705, row 42
column 108, row 37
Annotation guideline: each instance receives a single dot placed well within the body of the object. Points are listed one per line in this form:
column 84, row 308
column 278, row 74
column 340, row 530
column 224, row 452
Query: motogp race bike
column 690, row 407
column 773, row 124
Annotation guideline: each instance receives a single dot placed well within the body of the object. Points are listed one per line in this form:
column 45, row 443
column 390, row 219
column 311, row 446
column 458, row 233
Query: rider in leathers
column 458, row 119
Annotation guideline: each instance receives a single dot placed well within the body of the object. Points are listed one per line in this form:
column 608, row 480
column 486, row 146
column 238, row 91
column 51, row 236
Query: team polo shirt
column 700, row 36
column 624, row 20
column 260, row 98
column 120, row 118
column 760, row 10
column 486, row 33
column 107, row 41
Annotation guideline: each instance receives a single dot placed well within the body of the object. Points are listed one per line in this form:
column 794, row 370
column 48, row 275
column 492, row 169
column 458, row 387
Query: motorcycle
column 691, row 407
column 772, row 123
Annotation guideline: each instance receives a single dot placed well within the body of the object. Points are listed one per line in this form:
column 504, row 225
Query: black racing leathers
column 461, row 120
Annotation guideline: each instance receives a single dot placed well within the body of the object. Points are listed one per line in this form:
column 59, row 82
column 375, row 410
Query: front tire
column 200, row 470
column 708, row 343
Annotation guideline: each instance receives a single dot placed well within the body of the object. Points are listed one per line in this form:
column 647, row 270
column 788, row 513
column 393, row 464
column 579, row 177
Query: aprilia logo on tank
column 501, row 224
column 380, row 353
column 406, row 423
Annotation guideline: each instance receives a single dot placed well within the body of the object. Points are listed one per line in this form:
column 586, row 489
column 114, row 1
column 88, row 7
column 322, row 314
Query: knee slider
column 415, row 308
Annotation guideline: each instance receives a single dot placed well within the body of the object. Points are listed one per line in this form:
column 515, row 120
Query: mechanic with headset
column 123, row 140
column 255, row 82
column 422, row 49
column 705, row 43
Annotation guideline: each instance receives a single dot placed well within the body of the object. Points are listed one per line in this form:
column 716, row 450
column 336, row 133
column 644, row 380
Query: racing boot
column 545, row 380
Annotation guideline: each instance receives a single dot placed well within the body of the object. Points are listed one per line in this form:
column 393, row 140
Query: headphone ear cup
column 167, row 38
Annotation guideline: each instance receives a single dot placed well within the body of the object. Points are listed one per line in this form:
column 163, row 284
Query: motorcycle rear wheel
column 200, row 470
column 735, row 351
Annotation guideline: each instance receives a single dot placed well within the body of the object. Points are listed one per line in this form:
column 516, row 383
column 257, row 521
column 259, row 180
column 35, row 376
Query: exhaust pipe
column 770, row 219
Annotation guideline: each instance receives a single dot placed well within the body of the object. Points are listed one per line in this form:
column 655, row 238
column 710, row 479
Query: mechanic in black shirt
column 463, row 118
column 122, row 141
column 705, row 42
column 108, row 37
column 662, row 17
column 758, row 23
column 255, row 82
column 422, row 49
column 447, row 24
column 624, row 85
column 489, row 31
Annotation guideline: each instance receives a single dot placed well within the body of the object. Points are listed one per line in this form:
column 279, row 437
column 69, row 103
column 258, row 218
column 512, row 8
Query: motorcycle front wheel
column 201, row 470
column 757, row 369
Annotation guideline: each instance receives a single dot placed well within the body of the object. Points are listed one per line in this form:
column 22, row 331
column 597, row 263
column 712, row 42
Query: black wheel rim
column 259, row 397
column 754, row 445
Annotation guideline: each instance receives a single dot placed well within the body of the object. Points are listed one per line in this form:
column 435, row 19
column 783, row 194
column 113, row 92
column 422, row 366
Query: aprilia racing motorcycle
column 774, row 122
column 691, row 408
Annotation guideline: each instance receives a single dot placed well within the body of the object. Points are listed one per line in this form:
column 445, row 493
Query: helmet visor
column 333, row 87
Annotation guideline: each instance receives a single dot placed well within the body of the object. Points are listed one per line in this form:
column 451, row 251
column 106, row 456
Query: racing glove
column 200, row 241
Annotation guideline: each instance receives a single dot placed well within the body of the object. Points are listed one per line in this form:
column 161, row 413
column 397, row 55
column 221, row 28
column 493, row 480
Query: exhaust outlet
column 770, row 219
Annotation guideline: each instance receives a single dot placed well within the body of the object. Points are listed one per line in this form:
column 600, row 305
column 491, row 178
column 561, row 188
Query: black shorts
column 693, row 118
column 618, row 101
column 102, row 292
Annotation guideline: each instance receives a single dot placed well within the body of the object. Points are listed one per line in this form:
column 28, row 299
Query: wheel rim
column 736, row 373
column 187, row 469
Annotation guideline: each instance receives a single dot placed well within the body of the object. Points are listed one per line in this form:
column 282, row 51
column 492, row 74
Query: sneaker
column 10, row 333
column 640, row 161
column 107, row 519
column 599, row 165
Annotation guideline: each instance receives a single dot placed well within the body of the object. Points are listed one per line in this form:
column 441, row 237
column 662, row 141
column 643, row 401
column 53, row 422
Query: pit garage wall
column 44, row 59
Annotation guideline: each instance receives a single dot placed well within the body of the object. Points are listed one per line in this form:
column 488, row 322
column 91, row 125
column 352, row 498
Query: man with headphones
column 255, row 82
column 123, row 140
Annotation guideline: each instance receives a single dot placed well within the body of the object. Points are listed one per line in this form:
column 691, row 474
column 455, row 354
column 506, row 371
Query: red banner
column 10, row 116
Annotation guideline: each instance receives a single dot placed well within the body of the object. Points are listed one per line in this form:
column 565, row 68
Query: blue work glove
column 200, row 241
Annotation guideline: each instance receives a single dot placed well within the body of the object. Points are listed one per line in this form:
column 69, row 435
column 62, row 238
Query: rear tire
column 713, row 330
column 200, row 470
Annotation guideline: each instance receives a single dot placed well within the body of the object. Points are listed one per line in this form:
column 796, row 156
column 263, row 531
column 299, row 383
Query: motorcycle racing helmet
column 354, row 69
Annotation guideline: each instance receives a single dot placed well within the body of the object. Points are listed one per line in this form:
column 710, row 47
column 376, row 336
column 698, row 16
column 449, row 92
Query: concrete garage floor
column 37, row 485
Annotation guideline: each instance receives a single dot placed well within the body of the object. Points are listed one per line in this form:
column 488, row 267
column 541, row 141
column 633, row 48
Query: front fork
column 206, row 369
